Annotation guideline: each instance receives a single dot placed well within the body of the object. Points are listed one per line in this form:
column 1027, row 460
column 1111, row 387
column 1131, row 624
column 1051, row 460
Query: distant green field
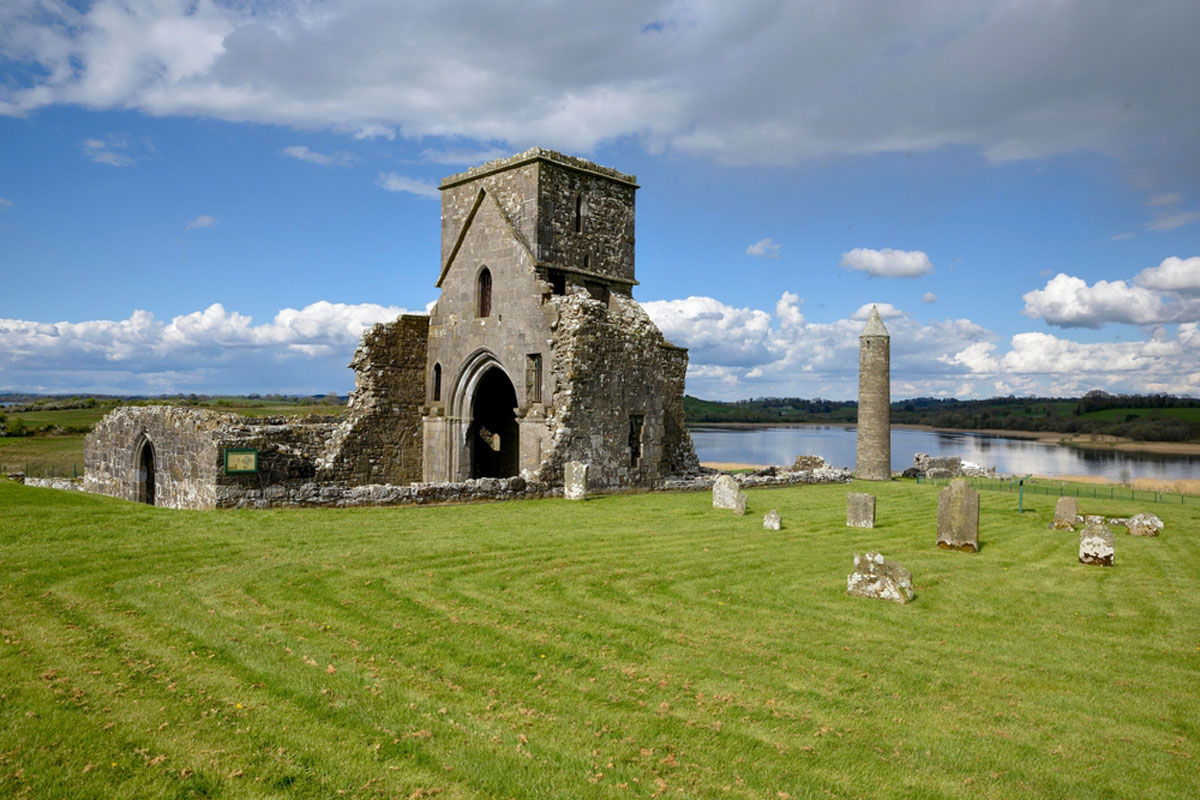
column 1120, row 414
column 628, row 646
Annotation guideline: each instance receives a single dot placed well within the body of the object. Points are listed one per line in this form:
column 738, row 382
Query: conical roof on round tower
column 874, row 326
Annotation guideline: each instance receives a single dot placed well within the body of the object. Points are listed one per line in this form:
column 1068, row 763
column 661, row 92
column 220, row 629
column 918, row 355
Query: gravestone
column 958, row 517
column 860, row 510
column 876, row 577
column 771, row 521
column 739, row 504
column 1144, row 525
column 575, row 480
column 1096, row 545
column 725, row 492
column 1066, row 510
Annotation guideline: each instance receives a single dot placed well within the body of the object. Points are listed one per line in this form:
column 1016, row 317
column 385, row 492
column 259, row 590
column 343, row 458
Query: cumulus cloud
column 202, row 221
column 393, row 182
column 1155, row 298
column 302, row 153
column 929, row 297
column 140, row 353
column 1172, row 275
column 764, row 248
column 888, row 263
column 672, row 73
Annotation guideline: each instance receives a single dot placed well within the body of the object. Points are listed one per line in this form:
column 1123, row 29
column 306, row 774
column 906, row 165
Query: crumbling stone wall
column 611, row 364
column 186, row 454
column 381, row 439
column 290, row 450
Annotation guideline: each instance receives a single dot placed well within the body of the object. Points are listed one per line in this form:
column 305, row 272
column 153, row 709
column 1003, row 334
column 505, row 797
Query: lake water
column 836, row 444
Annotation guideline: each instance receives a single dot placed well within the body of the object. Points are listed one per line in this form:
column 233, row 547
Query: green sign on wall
column 240, row 461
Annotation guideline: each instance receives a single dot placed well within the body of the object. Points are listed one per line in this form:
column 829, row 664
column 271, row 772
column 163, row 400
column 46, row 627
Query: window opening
column 533, row 377
column 437, row 382
column 558, row 281
column 598, row 291
column 636, row 424
column 578, row 212
column 485, row 293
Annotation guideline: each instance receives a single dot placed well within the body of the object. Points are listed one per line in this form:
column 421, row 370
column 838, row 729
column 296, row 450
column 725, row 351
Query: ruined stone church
column 534, row 355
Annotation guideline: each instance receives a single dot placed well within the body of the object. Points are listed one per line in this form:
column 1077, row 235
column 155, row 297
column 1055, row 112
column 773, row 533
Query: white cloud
column 888, row 263
column 108, row 151
column 1069, row 302
column 302, row 153
column 1172, row 275
column 764, row 248
column 141, row 353
column 467, row 156
column 394, row 182
column 202, row 221
column 845, row 78
column 5, row 204
column 1169, row 222
column 373, row 131
column 929, row 297
column 1119, row 237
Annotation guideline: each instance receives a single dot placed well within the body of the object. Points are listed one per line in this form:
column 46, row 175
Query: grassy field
column 629, row 646
column 42, row 455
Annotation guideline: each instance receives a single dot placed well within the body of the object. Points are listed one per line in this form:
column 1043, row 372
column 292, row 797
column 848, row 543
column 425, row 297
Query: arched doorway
column 144, row 473
column 493, row 437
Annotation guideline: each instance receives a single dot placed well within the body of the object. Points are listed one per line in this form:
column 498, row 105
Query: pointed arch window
column 485, row 292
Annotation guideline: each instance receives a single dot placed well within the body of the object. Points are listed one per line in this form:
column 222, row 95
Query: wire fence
column 43, row 470
column 1064, row 489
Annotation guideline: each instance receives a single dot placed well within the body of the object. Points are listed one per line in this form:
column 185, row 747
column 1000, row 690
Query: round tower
column 874, row 401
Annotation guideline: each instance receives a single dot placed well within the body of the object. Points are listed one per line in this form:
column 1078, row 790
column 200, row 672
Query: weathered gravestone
column 725, row 492
column 876, row 577
column 1144, row 525
column 1066, row 510
column 860, row 510
column 958, row 517
column 1096, row 545
column 575, row 480
column 771, row 521
column 739, row 504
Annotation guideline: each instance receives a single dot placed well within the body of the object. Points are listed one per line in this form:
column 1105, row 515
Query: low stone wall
column 778, row 477
column 312, row 494
column 65, row 484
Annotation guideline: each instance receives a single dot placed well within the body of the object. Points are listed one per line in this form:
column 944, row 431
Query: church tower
column 874, row 401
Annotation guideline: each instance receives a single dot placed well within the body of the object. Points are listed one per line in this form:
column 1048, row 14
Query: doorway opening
column 494, row 436
column 144, row 476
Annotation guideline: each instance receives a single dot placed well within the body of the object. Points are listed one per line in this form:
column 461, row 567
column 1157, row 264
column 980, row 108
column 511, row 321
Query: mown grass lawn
column 628, row 646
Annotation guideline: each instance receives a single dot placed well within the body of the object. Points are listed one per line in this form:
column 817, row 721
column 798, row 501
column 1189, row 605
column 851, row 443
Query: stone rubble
column 1144, row 524
column 877, row 578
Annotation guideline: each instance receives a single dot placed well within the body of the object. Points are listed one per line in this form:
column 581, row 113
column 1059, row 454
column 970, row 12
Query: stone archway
column 143, row 474
column 493, row 437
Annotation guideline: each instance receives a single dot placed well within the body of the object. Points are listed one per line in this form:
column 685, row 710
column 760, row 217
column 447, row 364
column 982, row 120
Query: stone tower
column 874, row 401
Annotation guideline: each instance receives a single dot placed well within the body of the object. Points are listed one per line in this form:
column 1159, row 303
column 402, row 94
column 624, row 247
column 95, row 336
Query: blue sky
column 219, row 197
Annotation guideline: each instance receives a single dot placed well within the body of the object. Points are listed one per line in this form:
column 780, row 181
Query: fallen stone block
column 876, row 577
column 1096, row 545
column 1144, row 525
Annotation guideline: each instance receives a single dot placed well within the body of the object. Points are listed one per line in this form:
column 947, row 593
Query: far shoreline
column 1089, row 441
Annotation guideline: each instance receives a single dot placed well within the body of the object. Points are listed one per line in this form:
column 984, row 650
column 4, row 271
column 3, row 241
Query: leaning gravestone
column 958, row 517
column 1065, row 512
column 876, row 577
column 1144, row 525
column 860, row 510
column 1096, row 545
column 739, row 504
column 575, row 480
column 771, row 521
column 725, row 492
